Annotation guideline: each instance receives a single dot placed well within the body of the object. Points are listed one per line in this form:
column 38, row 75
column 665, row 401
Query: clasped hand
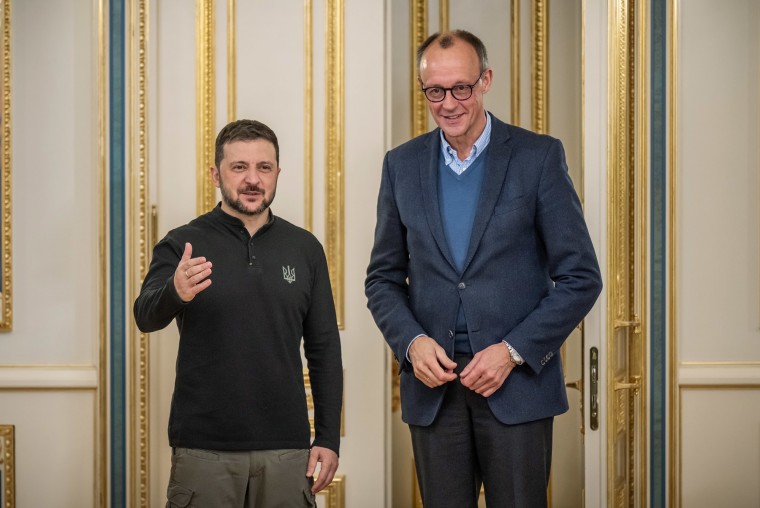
column 484, row 375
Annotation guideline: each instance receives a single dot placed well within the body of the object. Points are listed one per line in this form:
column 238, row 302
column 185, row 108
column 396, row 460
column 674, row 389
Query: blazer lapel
column 428, row 164
column 493, row 181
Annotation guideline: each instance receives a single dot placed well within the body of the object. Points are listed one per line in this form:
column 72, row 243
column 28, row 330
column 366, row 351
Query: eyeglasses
column 459, row 92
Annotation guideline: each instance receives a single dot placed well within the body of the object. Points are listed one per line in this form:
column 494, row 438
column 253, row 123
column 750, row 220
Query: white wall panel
column 54, row 446
column 48, row 374
column 364, row 352
column 55, row 184
column 718, row 195
column 270, row 88
column 717, row 252
column 173, row 91
column 490, row 21
column 720, row 463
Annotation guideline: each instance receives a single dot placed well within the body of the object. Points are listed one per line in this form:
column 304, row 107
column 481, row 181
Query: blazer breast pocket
column 511, row 205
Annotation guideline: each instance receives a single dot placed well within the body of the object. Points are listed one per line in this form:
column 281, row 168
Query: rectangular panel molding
column 52, row 377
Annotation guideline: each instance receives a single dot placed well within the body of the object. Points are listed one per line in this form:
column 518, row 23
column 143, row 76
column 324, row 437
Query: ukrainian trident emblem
column 289, row 274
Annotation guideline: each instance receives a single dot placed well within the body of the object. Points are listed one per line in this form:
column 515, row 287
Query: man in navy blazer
column 482, row 266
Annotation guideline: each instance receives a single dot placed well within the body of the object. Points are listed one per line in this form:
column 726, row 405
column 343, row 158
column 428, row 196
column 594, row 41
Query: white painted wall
column 718, row 248
column 47, row 362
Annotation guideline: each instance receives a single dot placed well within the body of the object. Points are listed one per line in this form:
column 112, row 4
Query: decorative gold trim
column 16, row 389
column 395, row 387
column 231, row 62
column 674, row 410
column 335, row 493
column 716, row 386
column 205, row 104
column 334, row 150
column 443, row 15
column 626, row 226
column 617, row 163
column 309, row 400
column 308, row 115
column 101, row 439
column 141, row 231
column 540, row 72
column 582, row 183
column 641, row 31
column 6, row 294
column 8, row 463
column 418, row 31
column 718, row 364
column 515, row 60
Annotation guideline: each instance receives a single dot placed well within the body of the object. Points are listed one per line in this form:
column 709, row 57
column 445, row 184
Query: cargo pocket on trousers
column 178, row 496
column 311, row 499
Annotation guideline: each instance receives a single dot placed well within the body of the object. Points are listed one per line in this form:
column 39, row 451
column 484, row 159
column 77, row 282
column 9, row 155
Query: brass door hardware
column 594, row 389
column 635, row 385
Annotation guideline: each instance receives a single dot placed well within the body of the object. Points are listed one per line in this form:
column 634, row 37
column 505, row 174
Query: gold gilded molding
column 539, row 74
column 6, row 227
column 674, row 409
column 334, row 151
column 8, row 466
column 334, row 495
column 418, row 31
column 101, row 439
column 205, row 104
column 626, row 355
column 231, row 62
column 641, row 31
column 514, row 61
column 308, row 115
column 309, row 400
column 617, row 231
column 395, row 387
column 719, row 364
column 443, row 15
column 142, row 230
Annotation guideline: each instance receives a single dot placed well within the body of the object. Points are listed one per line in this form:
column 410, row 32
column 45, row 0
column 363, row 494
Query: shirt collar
column 450, row 155
column 237, row 223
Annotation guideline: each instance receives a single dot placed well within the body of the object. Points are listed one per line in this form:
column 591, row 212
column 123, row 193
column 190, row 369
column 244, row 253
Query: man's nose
column 252, row 176
column 449, row 102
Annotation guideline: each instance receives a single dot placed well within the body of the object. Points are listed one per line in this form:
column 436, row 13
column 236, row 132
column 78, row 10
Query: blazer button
column 462, row 285
column 451, row 333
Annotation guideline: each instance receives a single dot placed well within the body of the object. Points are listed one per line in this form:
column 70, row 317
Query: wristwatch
column 514, row 354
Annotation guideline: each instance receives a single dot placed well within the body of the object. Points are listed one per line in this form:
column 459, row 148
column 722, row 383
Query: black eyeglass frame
column 451, row 90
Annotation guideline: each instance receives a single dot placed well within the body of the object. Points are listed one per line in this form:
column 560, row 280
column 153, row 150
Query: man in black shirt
column 245, row 288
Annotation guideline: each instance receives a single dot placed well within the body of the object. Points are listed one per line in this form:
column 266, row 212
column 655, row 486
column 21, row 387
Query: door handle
column 634, row 385
column 594, row 389
column 634, row 323
column 576, row 385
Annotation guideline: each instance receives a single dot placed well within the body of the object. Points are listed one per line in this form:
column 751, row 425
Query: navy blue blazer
column 530, row 275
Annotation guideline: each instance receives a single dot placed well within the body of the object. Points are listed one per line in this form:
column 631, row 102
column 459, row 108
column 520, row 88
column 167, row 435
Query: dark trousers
column 466, row 446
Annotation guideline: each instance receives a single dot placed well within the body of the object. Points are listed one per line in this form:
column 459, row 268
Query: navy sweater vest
column 459, row 196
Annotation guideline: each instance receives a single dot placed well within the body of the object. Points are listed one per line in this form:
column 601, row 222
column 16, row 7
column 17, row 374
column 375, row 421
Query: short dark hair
column 446, row 40
column 244, row 130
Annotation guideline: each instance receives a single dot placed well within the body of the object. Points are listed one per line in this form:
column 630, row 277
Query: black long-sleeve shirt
column 239, row 383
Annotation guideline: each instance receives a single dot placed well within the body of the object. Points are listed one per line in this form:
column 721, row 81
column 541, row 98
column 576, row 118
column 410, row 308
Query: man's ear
column 487, row 79
column 214, row 172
